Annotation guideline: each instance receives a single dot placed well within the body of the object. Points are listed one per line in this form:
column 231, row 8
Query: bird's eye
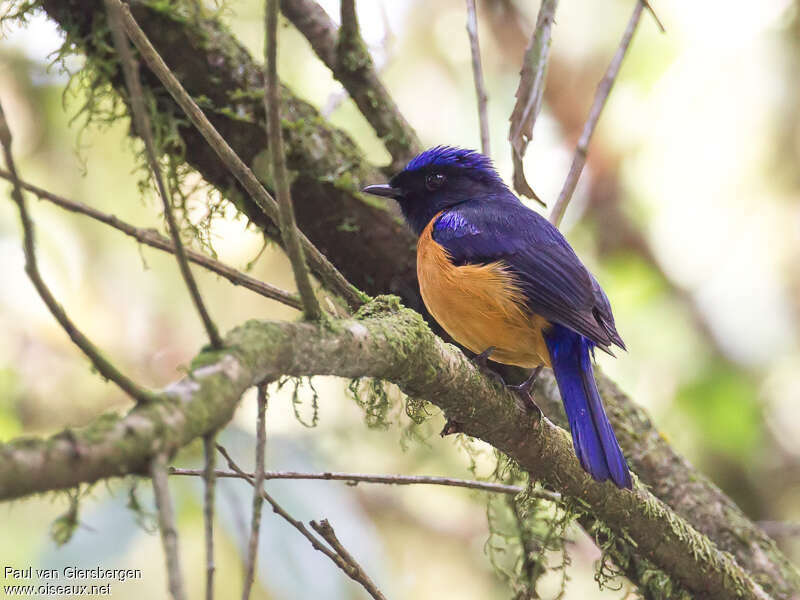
column 434, row 181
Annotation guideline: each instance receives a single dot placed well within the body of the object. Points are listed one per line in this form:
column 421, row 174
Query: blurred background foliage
column 688, row 213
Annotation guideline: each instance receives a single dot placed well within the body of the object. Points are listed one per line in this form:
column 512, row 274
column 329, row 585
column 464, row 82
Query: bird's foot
column 480, row 361
column 525, row 393
column 450, row 428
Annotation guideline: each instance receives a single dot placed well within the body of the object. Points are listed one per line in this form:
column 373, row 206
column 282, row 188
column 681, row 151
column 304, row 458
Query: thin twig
column 335, row 99
column 351, row 569
column 652, row 12
column 529, row 94
column 355, row 478
column 328, row 274
column 349, row 27
column 210, row 479
column 152, row 238
column 258, row 498
column 600, row 97
column 325, row 530
column 130, row 70
column 346, row 55
column 166, row 523
column 286, row 221
column 477, row 73
column 99, row 362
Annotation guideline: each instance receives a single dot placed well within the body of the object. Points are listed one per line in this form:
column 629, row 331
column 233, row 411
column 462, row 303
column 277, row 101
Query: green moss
column 297, row 402
column 207, row 357
column 348, row 226
column 64, row 526
column 99, row 429
column 381, row 306
column 370, row 394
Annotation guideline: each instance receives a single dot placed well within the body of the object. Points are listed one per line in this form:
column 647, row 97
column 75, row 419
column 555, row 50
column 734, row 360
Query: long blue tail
column 594, row 440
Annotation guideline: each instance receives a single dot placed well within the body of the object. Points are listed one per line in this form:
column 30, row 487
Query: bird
column 504, row 282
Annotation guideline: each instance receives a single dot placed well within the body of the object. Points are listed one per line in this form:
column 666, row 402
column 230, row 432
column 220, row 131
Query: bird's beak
column 384, row 190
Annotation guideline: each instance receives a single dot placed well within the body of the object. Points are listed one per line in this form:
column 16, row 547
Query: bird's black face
column 438, row 179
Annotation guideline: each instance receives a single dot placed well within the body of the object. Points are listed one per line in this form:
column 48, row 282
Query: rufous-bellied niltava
column 503, row 281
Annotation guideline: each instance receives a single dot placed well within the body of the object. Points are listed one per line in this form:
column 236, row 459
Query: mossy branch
column 394, row 344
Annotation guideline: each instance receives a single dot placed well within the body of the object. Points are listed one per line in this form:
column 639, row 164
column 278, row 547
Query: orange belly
column 480, row 306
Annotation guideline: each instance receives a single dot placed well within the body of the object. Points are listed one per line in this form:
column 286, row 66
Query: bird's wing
column 554, row 281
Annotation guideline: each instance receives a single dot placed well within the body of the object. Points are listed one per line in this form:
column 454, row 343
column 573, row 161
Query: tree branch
column 209, row 475
column 345, row 562
column 390, row 343
column 354, row 478
column 352, row 567
column 329, row 275
column 600, row 97
column 150, row 237
column 477, row 74
column 142, row 123
column 357, row 234
column 258, row 486
column 529, row 94
column 166, row 523
column 286, row 222
column 348, row 58
column 103, row 366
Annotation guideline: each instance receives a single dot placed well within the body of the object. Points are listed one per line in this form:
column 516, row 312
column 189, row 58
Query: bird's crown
column 457, row 158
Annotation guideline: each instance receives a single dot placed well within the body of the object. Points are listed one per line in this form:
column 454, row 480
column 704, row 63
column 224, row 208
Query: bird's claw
column 480, row 361
column 524, row 392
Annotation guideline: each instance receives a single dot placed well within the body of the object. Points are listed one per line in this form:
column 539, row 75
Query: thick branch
column 392, row 344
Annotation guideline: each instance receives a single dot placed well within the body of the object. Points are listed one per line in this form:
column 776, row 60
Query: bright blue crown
column 449, row 156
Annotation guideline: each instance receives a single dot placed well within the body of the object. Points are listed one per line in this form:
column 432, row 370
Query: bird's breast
column 480, row 305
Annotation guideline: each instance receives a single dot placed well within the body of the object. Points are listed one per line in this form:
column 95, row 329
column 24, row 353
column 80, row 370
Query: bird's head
column 438, row 179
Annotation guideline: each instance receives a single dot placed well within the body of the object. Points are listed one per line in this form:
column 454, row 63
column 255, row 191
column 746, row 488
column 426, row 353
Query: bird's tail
column 594, row 440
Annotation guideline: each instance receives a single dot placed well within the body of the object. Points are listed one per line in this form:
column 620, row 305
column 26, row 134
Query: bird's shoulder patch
column 453, row 224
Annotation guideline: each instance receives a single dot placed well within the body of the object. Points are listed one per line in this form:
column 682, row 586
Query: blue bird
column 502, row 281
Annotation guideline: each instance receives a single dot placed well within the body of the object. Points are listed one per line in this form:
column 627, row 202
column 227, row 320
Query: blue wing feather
column 556, row 284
